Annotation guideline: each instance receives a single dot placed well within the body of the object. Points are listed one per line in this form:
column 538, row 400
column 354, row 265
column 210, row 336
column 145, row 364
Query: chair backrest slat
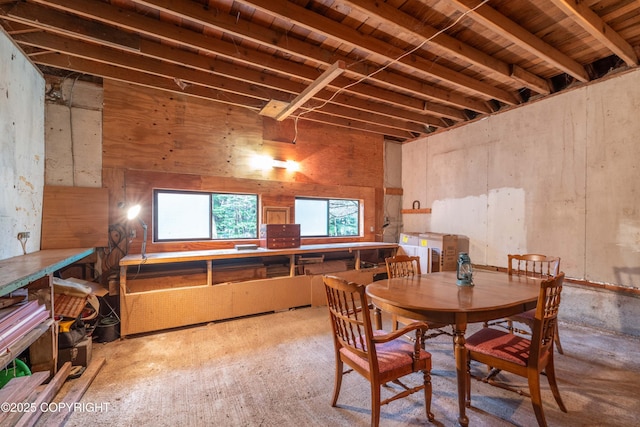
column 349, row 315
column 533, row 265
column 546, row 317
column 403, row 266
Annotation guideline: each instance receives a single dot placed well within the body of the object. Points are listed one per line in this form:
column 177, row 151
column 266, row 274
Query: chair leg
column 375, row 405
column 536, row 397
column 550, row 370
column 428, row 393
column 468, row 381
column 338, row 380
column 557, row 341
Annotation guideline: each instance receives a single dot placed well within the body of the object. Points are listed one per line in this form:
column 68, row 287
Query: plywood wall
column 558, row 176
column 153, row 139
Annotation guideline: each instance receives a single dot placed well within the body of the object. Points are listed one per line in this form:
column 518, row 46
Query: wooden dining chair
column 378, row 356
column 519, row 355
column 407, row 266
column 532, row 265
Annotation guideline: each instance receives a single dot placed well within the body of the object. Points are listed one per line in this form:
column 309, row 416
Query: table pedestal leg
column 377, row 317
column 461, row 371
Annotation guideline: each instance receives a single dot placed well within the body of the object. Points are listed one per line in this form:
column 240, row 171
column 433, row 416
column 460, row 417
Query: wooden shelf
column 391, row 191
column 416, row 211
column 20, row 271
column 24, row 342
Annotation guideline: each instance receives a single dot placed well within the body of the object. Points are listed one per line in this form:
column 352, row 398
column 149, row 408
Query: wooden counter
column 195, row 298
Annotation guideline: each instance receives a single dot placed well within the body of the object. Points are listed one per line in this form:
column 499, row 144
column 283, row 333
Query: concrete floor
column 278, row 369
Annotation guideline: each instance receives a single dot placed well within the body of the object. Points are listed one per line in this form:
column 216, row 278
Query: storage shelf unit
column 19, row 271
column 149, row 304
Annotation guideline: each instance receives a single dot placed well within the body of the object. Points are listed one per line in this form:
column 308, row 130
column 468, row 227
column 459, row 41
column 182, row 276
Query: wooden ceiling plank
column 202, row 63
column 279, row 40
column 85, row 66
column 26, row 13
column 594, row 25
column 185, row 76
column 170, row 33
column 461, row 50
column 510, row 30
column 333, row 29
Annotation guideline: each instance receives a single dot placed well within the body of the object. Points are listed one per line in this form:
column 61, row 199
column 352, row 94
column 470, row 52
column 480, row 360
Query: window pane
column 328, row 217
column 343, row 217
column 235, row 216
column 311, row 214
column 182, row 216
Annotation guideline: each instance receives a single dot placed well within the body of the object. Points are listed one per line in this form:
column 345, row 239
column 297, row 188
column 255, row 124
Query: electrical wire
column 384, row 67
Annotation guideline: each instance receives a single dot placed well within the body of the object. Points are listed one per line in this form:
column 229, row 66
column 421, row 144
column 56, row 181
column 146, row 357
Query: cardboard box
column 80, row 355
column 445, row 247
column 412, row 239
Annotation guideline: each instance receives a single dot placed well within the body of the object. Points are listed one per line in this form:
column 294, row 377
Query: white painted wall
column 22, row 151
column 558, row 176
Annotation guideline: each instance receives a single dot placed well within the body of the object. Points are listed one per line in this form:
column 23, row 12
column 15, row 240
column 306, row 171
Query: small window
column 189, row 215
column 328, row 217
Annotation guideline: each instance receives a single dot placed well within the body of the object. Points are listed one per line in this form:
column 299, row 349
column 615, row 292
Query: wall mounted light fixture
column 267, row 163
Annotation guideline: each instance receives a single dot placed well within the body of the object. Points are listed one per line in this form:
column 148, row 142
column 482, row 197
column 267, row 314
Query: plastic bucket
column 107, row 329
column 19, row 370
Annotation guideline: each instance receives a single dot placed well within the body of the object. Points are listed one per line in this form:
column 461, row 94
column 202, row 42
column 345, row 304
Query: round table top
column 438, row 293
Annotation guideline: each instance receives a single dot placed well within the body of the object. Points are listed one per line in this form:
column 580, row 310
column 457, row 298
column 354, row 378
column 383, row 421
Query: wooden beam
column 531, row 81
column 277, row 40
column 422, row 30
column 594, row 25
column 413, row 63
column 320, row 83
column 254, row 59
column 54, row 22
column 508, row 29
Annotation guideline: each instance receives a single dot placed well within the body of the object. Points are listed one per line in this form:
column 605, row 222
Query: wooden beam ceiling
column 410, row 68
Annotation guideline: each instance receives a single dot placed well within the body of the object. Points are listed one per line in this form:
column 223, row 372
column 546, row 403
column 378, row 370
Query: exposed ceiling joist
column 598, row 29
column 410, row 68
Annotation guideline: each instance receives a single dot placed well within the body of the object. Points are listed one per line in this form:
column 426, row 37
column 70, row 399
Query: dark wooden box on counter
column 280, row 236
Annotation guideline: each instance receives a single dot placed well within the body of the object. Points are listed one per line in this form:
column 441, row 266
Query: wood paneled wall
column 153, row 139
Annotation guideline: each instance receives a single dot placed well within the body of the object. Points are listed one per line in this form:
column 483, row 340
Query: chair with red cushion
column 530, row 265
column 378, row 356
column 525, row 357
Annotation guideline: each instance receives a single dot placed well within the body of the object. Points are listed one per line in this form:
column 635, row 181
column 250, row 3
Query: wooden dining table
column 436, row 298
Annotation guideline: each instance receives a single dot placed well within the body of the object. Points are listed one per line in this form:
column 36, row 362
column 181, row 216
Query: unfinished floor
column 278, row 370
